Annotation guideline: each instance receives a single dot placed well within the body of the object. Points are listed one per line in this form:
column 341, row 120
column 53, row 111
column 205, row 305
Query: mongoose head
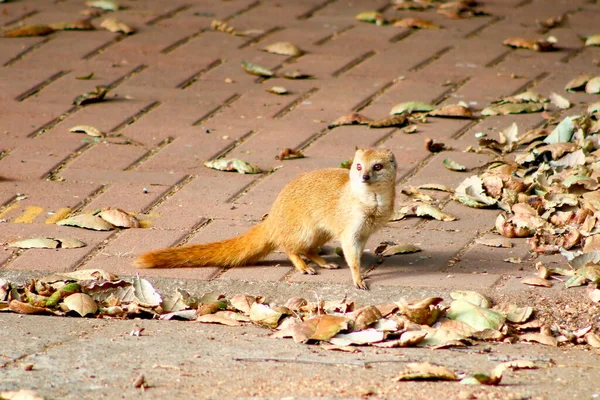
column 373, row 166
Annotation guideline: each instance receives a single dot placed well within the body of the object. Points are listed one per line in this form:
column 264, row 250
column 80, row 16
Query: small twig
column 365, row 363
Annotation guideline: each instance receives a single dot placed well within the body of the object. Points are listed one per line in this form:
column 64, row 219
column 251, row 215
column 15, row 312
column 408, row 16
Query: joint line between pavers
column 453, row 88
column 194, row 78
column 49, row 125
column 181, row 42
column 127, row 76
column 168, row 14
column 136, row 116
column 260, row 37
column 401, row 36
column 523, row 3
column 88, row 199
column 367, row 102
column 456, row 257
column 105, row 46
column 333, row 36
column 285, row 62
column 480, row 29
column 499, row 59
column 4, row 153
column 149, row 154
column 530, row 84
column 25, row 52
column 385, row 138
column 572, row 55
column 96, row 250
column 38, row 88
column 174, row 189
column 431, row 59
column 52, row 175
column 228, row 149
column 243, row 191
column 401, row 180
column 291, row 106
column 465, row 128
column 311, row 140
column 358, row 60
column 310, row 13
column 229, row 101
column 21, row 18
column 203, row 223
column 244, row 10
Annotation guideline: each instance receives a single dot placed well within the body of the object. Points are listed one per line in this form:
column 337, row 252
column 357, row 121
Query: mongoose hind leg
column 300, row 264
column 320, row 261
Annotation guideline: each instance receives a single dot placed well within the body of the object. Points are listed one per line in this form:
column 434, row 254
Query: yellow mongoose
column 309, row 211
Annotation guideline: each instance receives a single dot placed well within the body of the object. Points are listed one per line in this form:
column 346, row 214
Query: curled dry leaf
column 472, row 297
column 477, row 317
column 373, row 17
column 402, row 248
column 284, row 48
column 417, row 23
column 220, row 317
column 233, row 164
column 425, row 371
column 536, row 45
column 47, row 243
column 435, row 186
column 434, row 147
column 452, row 111
column 578, row 83
column 29, row 30
column 108, row 5
column 367, row 336
column 592, row 339
column 87, row 129
column 593, row 40
column 323, row 327
column 80, row 25
column 351, row 119
column 83, row 304
column 145, row 293
column 115, row 25
column 221, row 26
column 559, row 101
column 365, row 316
column 453, row 165
column 255, row 69
column 394, row 120
column 289, row 154
column 87, row 221
column 593, row 293
column 26, row 308
column 593, row 85
column 280, row 90
column 243, row 302
column 264, row 315
column 91, row 97
column 512, row 108
column 119, row 218
column 295, row 74
column 539, row 338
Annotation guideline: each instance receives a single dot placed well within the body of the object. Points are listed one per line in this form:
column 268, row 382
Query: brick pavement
column 179, row 97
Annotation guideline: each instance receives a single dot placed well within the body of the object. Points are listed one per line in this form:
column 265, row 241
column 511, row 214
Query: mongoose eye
column 358, row 167
column 377, row 167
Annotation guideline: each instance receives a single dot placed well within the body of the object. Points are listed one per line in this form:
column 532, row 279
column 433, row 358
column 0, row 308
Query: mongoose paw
column 330, row 266
column 309, row 271
column 360, row 284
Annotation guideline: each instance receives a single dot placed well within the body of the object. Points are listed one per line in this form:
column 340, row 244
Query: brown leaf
column 366, row 336
column 29, row 30
column 592, row 339
column 243, row 302
column 452, row 111
column 83, row 304
column 87, row 221
column 536, row 281
column 26, row 308
column 434, row 147
column 295, row 74
column 114, row 25
column 351, row 119
column 284, row 48
column 221, row 317
column 364, row 317
column 418, row 23
column 578, row 83
column 537, row 45
column 91, row 97
column 425, row 371
column 119, row 218
column 323, row 327
column 392, row 120
column 289, row 154
column 539, row 338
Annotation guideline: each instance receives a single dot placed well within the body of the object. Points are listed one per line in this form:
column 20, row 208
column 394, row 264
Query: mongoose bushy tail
column 246, row 248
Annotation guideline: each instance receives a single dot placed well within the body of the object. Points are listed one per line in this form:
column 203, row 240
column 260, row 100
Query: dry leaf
column 593, row 85
column 221, row 317
column 88, row 130
column 296, row 74
column 28, row 30
column 255, row 69
column 452, row 111
column 393, row 120
column 351, row 119
column 289, row 154
column 539, row 338
column 559, row 101
column 91, row 97
column 115, row 25
column 578, row 83
column 410, row 107
column 425, row 371
column 537, row 45
column 109, row 5
column 593, row 40
column 366, row 336
column 119, row 218
column 83, row 304
column 284, row 48
column 434, row 147
column 80, row 25
column 419, row 23
column 87, row 221
column 280, row 90
column 373, row 17
column 495, row 242
column 453, row 165
column 264, row 315
column 233, row 164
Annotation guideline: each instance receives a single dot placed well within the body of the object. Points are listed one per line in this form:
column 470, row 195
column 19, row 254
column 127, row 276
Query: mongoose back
column 348, row 205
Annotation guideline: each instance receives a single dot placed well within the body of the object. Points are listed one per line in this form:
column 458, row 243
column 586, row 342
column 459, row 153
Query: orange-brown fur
column 309, row 211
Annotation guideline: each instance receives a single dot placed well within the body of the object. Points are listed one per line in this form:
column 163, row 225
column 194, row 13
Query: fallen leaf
column 410, row 107
column 289, row 154
column 280, row 90
column 562, row 133
column 472, row 297
column 539, row 338
column 322, row 328
column 402, row 248
column 115, row 25
column 295, row 74
column 373, row 17
column 264, row 315
column 35, row 243
column 181, row 300
column 88, row 130
column 434, row 147
column 512, row 108
column 233, row 164
column 559, row 101
column 592, row 339
column 425, row 371
column 366, row 336
column 255, row 69
column 119, row 218
column 593, row 85
column 222, row 26
column 578, row 83
column 284, row 48
column 536, row 45
column 516, row 314
column 453, row 165
column 394, row 120
column 26, row 308
column 145, row 293
column 593, row 40
column 85, row 77
column 495, row 242
column 452, row 111
column 418, row 23
column 22, row 394
column 221, row 317
column 435, row 186
column 80, row 25
column 87, row 221
column 109, row 5
column 365, row 317
column 351, row 119
column 593, row 293
column 83, row 304
column 28, row 30
column 91, row 97
column 478, row 317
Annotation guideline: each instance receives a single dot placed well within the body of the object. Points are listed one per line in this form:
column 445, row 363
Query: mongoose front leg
column 300, row 264
column 353, row 249
column 317, row 259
